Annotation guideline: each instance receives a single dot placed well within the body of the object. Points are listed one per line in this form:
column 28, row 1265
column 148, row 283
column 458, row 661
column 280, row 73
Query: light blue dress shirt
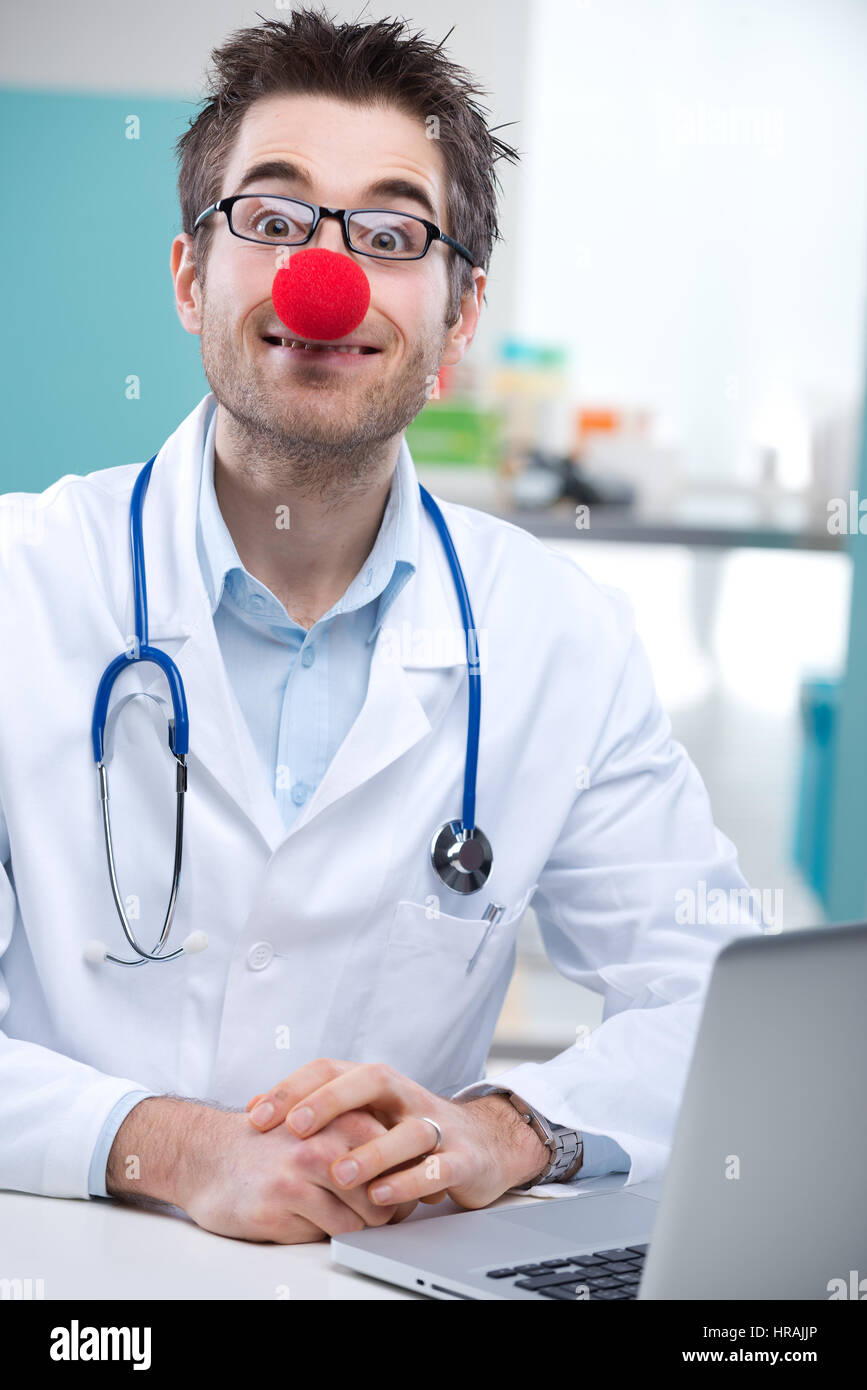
column 300, row 691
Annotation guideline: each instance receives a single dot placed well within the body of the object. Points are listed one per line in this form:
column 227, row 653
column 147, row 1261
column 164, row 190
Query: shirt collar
column 388, row 567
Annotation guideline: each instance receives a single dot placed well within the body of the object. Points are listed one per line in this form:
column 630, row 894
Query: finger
column 434, row 1197
column 357, row 1200
column 250, row 1103
column 372, row 1214
column 417, row 1182
column 450, row 1170
column 328, row 1212
column 408, row 1139
column 282, row 1096
column 367, row 1084
column 310, row 1162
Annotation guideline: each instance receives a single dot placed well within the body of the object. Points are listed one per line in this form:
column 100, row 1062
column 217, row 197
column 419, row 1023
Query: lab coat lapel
column 393, row 717
column 220, row 739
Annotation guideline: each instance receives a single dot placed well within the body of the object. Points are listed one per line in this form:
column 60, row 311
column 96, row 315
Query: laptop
column 763, row 1196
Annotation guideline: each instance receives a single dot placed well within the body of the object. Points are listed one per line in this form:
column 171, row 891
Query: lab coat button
column 260, row 955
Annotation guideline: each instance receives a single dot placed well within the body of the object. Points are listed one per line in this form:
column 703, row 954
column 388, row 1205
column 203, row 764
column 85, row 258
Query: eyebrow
column 383, row 188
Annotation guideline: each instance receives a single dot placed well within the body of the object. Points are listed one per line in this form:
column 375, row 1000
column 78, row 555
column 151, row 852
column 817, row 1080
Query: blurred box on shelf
column 616, row 443
column 593, row 422
column 530, row 385
column 454, row 431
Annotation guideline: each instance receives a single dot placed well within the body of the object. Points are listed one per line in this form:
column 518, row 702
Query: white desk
column 105, row 1250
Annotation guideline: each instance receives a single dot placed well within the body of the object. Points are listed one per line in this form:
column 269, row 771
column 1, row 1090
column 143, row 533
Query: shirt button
column 299, row 793
column 256, row 603
column 308, row 656
column 260, row 955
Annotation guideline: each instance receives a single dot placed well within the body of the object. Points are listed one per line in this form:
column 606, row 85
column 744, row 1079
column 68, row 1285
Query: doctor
column 304, row 594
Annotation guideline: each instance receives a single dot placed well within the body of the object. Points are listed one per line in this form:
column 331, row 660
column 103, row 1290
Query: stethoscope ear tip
column 196, row 941
column 95, row 952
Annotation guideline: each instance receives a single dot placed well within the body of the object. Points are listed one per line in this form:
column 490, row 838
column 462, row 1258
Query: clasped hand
column 486, row 1148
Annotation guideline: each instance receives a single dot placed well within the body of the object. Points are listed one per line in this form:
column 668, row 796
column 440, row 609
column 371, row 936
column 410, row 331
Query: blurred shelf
column 700, row 517
column 618, row 524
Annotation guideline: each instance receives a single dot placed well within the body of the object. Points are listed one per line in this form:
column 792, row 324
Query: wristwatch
column 565, row 1145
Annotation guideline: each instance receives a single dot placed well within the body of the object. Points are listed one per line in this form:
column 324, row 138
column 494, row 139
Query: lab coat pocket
column 440, row 990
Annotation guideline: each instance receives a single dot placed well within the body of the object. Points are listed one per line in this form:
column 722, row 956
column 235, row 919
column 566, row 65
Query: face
column 299, row 401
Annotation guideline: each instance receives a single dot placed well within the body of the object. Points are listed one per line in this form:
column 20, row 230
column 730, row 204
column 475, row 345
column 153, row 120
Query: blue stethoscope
column 460, row 852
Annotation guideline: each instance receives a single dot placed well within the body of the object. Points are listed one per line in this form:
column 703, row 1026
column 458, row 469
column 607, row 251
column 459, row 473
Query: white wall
column 710, row 157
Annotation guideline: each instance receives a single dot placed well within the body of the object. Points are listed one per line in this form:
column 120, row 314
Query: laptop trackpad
column 602, row 1223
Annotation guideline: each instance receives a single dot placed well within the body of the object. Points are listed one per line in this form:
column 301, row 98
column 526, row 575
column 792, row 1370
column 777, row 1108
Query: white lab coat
column 326, row 937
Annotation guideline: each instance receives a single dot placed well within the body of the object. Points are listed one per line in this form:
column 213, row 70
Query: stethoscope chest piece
column 461, row 858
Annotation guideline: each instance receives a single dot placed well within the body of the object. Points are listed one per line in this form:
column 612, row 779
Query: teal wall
column 85, row 233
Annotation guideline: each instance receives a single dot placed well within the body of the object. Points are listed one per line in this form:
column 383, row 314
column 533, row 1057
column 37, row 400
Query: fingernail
column 381, row 1194
column 301, row 1119
column 346, row 1170
column 262, row 1113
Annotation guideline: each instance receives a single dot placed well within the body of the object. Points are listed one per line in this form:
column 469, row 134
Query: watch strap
column 565, row 1145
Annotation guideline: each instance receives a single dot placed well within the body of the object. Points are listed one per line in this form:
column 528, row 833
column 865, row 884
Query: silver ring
column 439, row 1141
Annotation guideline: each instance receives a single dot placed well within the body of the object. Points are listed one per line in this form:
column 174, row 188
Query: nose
column 320, row 294
column 329, row 235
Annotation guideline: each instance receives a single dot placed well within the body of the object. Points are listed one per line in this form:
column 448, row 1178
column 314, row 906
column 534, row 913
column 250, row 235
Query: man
column 325, row 749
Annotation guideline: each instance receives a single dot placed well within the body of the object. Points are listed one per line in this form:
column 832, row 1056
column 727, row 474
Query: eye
column 387, row 239
column 388, row 233
column 273, row 224
column 254, row 218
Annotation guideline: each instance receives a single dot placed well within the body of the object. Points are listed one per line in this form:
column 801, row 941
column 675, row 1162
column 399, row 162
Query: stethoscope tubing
column 179, row 727
column 474, row 711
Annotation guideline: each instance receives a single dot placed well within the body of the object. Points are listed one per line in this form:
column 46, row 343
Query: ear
column 461, row 334
column 188, row 291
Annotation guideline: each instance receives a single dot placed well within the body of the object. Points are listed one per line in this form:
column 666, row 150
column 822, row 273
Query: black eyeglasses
column 273, row 220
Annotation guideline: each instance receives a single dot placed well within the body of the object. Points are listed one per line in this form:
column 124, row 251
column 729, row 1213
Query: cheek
column 412, row 302
column 239, row 286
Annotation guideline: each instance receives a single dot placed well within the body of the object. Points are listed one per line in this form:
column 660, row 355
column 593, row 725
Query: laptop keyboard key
column 604, row 1274
column 545, row 1281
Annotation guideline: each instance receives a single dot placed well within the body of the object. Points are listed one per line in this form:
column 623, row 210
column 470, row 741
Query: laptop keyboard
column 606, row 1274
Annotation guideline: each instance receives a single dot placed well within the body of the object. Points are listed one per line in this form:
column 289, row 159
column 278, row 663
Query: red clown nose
column 321, row 294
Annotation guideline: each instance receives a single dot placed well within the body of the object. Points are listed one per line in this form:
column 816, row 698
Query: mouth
column 302, row 348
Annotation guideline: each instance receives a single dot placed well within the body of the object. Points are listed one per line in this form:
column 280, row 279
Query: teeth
column 309, row 347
